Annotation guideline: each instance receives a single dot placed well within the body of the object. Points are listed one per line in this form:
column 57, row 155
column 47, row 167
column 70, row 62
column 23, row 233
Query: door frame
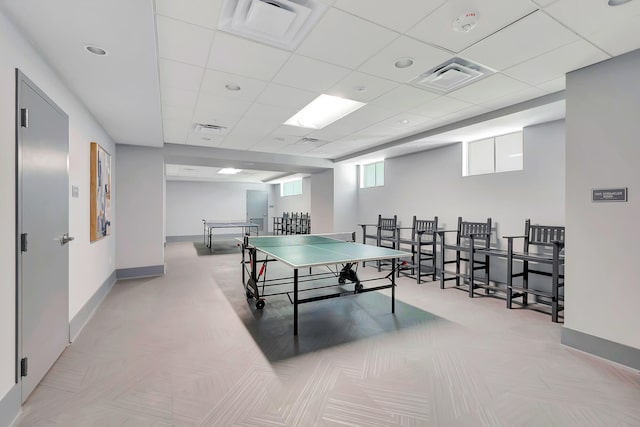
column 265, row 217
column 20, row 78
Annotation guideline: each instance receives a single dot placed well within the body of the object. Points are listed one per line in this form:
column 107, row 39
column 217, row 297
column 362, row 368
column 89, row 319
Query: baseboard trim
column 86, row 312
column 139, row 272
column 609, row 350
column 194, row 238
column 10, row 406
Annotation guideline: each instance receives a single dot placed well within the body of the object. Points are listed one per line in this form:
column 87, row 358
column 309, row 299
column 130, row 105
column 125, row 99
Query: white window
column 372, row 175
column 291, row 188
column 499, row 154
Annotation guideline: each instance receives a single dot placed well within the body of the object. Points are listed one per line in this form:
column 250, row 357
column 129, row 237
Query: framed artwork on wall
column 100, row 196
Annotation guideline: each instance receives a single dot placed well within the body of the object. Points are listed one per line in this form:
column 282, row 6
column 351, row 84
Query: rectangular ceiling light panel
column 323, row 111
column 279, row 23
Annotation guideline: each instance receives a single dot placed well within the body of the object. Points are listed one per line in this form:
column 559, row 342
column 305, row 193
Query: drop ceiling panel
column 493, row 15
column 439, row 107
column 244, row 57
column 492, row 87
column 361, row 87
column 170, row 112
column 360, row 119
column 620, row 38
column 183, row 42
column 398, row 125
column 309, row 74
column 556, row 63
column 179, row 98
column 292, row 131
column 286, row 96
column 194, row 138
column 398, row 16
column 219, row 111
column 424, row 58
column 590, row 16
column 403, row 98
column 214, row 84
column 175, row 131
column 204, row 13
column 514, row 98
column 532, row 36
column 179, row 75
column 345, row 40
column 555, row 85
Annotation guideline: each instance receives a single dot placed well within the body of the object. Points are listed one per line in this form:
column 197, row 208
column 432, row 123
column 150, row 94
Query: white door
column 257, row 208
column 43, row 224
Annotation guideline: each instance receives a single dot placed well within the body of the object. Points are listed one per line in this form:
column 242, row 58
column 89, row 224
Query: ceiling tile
column 240, row 56
column 424, row 58
column 309, row 74
column 194, row 138
column 179, row 75
column 220, row 111
column 544, row 3
column 359, row 119
column 526, row 39
column 175, row 131
column 345, row 40
column 179, row 98
column 489, row 88
column 294, row 131
column 493, row 15
column 440, row 107
column 514, row 98
column 398, row 125
column 620, row 38
column 169, row 112
column 286, row 96
column 555, row 85
column 556, row 63
column 404, row 98
column 397, row 15
column 183, row 42
column 214, row 84
column 200, row 12
column 589, row 16
column 361, row 87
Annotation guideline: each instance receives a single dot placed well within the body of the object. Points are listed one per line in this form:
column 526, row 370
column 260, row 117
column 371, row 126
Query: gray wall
column 188, row 203
column 322, row 202
column 345, row 197
column 603, row 148
column 140, row 199
column 431, row 183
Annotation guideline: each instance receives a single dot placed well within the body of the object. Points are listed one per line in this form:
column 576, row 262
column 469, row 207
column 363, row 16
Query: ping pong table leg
column 393, row 286
column 295, row 302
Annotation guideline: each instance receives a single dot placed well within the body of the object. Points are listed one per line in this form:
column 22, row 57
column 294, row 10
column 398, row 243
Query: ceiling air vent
column 311, row 141
column 451, row 75
column 210, row 130
column 279, row 23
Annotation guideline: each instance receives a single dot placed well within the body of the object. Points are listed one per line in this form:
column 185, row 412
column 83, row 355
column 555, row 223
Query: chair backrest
column 480, row 230
column 387, row 227
column 428, row 226
column 542, row 235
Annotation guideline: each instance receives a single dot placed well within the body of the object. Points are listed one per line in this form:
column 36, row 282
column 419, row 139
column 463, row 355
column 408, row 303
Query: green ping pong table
column 337, row 253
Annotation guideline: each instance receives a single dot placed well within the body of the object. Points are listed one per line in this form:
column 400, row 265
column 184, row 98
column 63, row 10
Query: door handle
column 66, row 239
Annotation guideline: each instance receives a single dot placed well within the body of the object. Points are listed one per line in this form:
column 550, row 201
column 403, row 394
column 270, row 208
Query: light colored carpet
column 187, row 349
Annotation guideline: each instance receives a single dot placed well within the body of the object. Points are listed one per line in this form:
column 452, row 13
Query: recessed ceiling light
column 323, row 111
column 403, row 63
column 95, row 50
column 232, row 87
column 279, row 139
column 360, row 88
column 229, row 171
column 204, row 138
column 618, row 2
column 404, row 121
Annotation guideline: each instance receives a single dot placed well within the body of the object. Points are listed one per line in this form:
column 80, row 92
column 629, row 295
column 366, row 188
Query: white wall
column 321, row 203
column 345, row 198
column 188, row 203
column 603, row 148
column 140, row 198
column 89, row 264
column 431, row 183
column 299, row 203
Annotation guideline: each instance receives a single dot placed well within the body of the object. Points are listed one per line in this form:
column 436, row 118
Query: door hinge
column 24, row 367
column 24, row 117
column 23, row 242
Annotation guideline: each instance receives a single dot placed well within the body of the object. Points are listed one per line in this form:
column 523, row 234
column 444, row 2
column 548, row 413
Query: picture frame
column 100, row 193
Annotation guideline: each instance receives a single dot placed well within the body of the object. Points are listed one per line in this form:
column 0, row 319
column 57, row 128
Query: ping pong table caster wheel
column 260, row 304
column 341, row 280
column 359, row 287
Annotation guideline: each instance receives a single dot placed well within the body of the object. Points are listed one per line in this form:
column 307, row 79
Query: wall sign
column 609, row 195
